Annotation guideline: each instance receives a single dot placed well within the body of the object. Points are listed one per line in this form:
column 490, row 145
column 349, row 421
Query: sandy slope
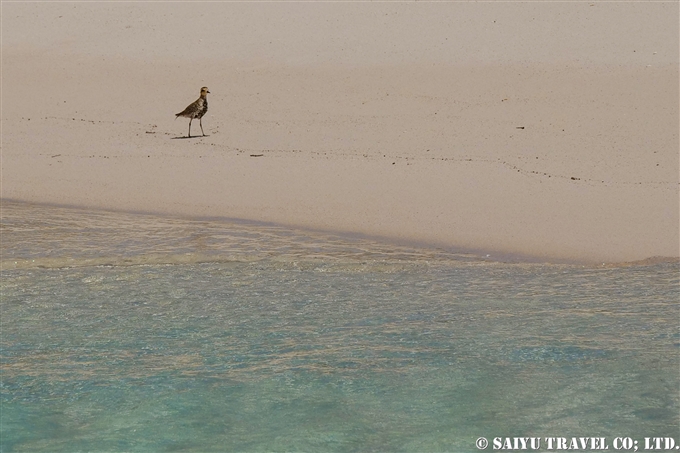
column 541, row 129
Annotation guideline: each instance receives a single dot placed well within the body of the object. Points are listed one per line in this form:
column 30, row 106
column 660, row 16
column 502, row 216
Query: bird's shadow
column 185, row 137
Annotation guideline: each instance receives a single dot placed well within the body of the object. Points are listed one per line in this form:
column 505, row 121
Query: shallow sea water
column 130, row 332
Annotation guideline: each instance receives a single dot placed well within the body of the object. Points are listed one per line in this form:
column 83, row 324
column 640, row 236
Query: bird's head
column 204, row 91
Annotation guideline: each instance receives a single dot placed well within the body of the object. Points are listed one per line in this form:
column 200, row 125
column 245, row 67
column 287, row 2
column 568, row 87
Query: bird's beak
column 208, row 91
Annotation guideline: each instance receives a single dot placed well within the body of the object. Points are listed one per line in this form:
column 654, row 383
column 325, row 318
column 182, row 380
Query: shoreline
column 486, row 256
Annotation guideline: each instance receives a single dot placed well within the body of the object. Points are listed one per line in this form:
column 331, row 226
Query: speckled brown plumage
column 196, row 109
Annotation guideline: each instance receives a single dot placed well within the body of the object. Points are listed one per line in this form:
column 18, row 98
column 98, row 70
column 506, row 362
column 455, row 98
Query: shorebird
column 196, row 109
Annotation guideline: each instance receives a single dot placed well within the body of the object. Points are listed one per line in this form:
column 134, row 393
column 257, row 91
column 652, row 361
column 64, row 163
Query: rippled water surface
column 125, row 332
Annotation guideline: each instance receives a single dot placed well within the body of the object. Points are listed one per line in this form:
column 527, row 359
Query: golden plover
column 196, row 109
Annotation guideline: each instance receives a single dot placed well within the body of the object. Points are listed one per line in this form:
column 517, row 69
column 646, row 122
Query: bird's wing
column 187, row 111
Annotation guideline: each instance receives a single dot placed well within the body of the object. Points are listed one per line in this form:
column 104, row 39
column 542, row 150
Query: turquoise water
column 124, row 332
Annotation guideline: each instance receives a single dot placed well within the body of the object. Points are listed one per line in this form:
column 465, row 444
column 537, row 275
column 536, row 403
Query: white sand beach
column 547, row 130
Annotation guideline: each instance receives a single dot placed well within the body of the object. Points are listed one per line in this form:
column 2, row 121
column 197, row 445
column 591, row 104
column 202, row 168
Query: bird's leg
column 200, row 121
column 190, row 120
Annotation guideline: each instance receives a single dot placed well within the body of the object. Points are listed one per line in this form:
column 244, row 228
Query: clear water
column 125, row 332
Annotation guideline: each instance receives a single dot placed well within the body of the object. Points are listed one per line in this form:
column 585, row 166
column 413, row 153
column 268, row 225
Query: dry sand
column 542, row 129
